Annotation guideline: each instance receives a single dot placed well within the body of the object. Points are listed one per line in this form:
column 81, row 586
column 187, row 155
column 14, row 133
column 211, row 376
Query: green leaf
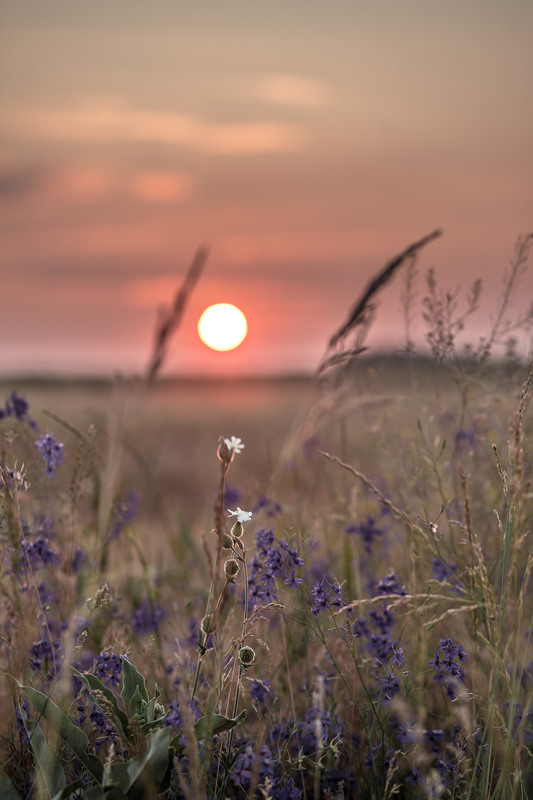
column 145, row 772
column 7, row 790
column 133, row 685
column 50, row 768
column 216, row 723
column 92, row 683
column 69, row 732
column 67, row 791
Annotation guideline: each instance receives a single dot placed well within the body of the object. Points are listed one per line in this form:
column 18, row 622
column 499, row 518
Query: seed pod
column 246, row 656
column 231, row 568
column 207, row 625
column 226, row 541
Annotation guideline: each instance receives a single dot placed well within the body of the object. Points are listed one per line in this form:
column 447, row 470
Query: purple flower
column 272, row 558
column 390, row 585
column 18, row 407
column 259, row 691
column 109, row 669
column 444, row 664
column 147, row 617
column 270, row 507
column 38, row 554
column 292, row 580
column 51, row 452
column 442, row 571
column 324, row 598
column 368, row 531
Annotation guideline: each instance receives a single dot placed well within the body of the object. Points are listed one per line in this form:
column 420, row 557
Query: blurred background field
column 164, row 436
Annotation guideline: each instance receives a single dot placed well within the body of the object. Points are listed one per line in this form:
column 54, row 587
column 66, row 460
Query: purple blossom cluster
column 108, row 667
column 147, row 617
column 326, row 596
column 268, row 506
column 38, row 553
column 46, row 654
column 442, row 571
column 369, row 532
column 376, row 632
column 51, row 451
column 273, row 559
column 446, row 662
column 18, row 407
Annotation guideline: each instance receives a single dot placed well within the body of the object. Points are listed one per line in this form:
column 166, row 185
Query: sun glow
column 222, row 327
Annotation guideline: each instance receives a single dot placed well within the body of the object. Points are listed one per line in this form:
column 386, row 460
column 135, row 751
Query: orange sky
column 305, row 143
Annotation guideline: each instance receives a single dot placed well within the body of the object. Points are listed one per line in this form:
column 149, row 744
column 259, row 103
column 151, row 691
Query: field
column 426, row 693
column 278, row 589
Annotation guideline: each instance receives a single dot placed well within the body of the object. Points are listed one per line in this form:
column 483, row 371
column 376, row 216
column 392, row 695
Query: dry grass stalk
column 171, row 318
column 360, row 312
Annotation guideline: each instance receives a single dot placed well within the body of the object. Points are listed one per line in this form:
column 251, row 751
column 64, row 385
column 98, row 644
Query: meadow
column 299, row 588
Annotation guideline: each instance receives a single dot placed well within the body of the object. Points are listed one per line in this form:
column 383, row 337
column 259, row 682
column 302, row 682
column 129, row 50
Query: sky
column 304, row 143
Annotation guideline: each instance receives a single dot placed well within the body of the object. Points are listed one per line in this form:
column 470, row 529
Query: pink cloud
column 110, row 120
column 153, row 186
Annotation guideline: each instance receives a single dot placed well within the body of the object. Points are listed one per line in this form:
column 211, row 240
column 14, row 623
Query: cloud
column 292, row 90
column 82, row 183
column 110, row 120
column 154, row 186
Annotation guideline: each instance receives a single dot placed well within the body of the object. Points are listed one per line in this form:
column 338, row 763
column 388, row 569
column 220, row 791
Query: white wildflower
column 234, row 444
column 242, row 516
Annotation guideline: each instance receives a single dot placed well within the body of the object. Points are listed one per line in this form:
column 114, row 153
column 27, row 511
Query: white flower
column 234, row 445
column 242, row 516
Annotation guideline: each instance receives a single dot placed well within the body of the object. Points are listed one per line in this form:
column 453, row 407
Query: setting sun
column 222, row 327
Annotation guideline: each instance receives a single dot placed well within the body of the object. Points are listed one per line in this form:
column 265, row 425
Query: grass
column 366, row 634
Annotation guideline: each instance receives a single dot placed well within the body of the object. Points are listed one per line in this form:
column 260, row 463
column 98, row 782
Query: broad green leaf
column 7, row 790
column 136, row 706
column 216, row 723
column 70, row 733
column 92, row 683
column 144, row 772
column 131, row 680
column 51, row 769
column 66, row 792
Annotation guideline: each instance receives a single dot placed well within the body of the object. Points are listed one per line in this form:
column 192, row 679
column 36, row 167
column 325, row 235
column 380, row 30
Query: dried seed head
column 246, row 656
column 231, row 568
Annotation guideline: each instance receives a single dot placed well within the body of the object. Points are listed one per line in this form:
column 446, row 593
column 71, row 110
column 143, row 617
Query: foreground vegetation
column 348, row 617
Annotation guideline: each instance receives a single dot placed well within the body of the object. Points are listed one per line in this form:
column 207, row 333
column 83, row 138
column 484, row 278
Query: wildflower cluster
column 273, row 559
column 446, row 662
column 326, row 596
column 18, row 407
column 376, row 632
column 51, row 451
column 369, row 532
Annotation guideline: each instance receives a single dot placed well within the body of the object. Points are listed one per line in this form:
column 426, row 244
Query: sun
column 222, row 327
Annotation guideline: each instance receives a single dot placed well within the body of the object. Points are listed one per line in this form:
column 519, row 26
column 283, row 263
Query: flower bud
column 226, row 541
column 231, row 568
column 246, row 656
column 224, row 453
column 238, row 529
column 207, row 625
